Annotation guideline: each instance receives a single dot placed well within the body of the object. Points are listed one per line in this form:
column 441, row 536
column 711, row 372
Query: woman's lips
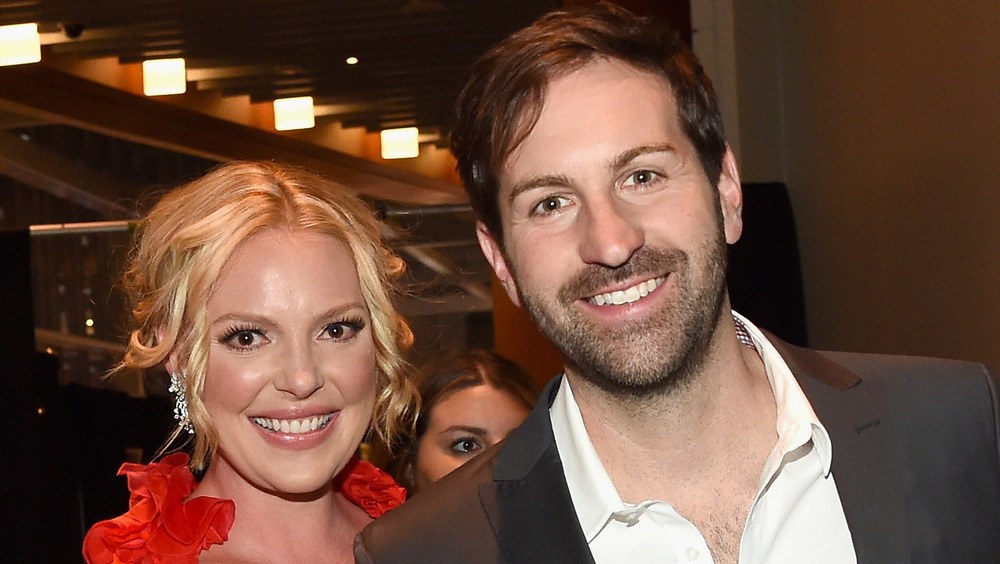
column 293, row 426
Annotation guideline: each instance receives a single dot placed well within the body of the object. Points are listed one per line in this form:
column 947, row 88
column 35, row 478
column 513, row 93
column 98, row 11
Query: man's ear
column 731, row 197
column 494, row 255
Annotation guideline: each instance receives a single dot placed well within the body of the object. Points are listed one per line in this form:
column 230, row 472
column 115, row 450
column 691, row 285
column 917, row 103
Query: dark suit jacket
column 915, row 457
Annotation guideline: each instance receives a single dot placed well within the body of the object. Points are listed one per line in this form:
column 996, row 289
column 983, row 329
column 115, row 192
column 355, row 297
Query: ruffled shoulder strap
column 160, row 526
column 370, row 488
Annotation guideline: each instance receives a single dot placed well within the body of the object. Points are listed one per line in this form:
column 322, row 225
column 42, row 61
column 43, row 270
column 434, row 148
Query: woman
column 266, row 293
column 469, row 401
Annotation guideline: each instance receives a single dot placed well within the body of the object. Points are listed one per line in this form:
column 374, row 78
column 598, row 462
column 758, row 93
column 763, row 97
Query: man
column 592, row 148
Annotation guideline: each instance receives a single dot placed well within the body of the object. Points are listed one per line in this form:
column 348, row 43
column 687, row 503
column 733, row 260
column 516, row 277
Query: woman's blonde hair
column 190, row 234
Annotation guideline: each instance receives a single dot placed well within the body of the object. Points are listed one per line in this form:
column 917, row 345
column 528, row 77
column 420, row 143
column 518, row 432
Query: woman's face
column 291, row 371
column 460, row 426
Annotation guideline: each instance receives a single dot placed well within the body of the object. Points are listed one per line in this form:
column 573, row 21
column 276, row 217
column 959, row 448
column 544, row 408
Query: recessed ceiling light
column 294, row 113
column 20, row 44
column 402, row 143
column 163, row 76
column 351, row 60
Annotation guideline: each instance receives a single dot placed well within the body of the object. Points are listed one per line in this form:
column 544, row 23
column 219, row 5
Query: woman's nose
column 301, row 374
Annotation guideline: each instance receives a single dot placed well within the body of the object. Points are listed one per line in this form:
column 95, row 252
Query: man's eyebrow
column 629, row 155
column 536, row 182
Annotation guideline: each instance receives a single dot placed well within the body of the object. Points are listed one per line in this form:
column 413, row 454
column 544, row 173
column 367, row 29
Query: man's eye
column 550, row 204
column 641, row 177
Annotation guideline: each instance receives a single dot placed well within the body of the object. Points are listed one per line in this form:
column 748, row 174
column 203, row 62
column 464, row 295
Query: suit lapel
column 528, row 502
column 855, row 414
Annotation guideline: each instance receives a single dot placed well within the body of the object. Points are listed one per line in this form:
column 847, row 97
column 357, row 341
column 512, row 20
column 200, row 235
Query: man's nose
column 610, row 233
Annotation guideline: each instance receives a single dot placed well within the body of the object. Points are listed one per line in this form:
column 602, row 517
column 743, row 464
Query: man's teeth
column 628, row 295
column 293, row 426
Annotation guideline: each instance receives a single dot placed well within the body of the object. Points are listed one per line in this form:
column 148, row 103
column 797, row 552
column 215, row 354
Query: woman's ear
column 170, row 363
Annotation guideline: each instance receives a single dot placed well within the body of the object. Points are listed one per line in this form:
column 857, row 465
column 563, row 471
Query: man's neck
column 720, row 422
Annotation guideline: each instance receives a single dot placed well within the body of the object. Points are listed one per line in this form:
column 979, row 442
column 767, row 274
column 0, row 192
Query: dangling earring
column 181, row 405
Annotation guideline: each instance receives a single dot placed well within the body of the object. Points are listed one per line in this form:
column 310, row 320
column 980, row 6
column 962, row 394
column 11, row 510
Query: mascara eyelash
column 236, row 329
column 352, row 322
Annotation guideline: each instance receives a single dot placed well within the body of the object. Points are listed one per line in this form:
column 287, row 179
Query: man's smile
column 628, row 295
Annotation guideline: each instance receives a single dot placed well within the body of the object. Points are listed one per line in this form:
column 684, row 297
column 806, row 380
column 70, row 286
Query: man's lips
column 628, row 295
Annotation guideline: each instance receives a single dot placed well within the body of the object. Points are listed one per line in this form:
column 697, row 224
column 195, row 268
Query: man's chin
column 621, row 376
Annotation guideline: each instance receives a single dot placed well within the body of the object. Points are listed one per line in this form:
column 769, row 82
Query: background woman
column 469, row 401
column 266, row 292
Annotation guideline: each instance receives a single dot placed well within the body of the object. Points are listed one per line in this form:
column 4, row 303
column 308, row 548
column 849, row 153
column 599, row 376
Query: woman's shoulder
column 160, row 525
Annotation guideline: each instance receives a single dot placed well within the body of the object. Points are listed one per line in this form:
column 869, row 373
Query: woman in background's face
column 460, row 426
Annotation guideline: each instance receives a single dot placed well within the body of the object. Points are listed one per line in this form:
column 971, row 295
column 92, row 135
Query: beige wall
column 884, row 120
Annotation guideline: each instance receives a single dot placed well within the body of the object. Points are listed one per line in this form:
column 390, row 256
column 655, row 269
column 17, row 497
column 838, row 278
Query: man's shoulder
column 908, row 392
column 447, row 516
column 846, row 370
column 842, row 386
column 915, row 376
column 892, row 365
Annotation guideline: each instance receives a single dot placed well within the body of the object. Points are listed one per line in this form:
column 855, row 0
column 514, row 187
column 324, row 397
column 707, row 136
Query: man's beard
column 656, row 355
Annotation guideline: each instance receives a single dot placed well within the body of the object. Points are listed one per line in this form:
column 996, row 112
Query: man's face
column 614, row 239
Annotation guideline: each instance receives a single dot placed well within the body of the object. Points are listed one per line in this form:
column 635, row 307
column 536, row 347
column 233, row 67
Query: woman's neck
column 274, row 528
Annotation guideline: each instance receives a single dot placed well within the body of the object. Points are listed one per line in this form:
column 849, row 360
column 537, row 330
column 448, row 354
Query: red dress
column 162, row 528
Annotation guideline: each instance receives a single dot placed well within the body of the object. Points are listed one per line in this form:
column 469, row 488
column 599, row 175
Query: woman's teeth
column 628, row 295
column 293, row 426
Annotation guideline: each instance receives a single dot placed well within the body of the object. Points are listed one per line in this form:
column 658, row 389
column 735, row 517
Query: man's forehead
column 582, row 83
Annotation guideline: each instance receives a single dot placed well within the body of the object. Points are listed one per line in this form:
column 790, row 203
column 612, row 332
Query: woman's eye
column 244, row 338
column 466, row 445
column 550, row 204
column 343, row 330
column 641, row 177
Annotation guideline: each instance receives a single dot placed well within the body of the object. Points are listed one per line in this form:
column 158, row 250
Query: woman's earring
column 181, row 405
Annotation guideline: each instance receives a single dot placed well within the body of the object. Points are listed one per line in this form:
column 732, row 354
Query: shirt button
column 691, row 554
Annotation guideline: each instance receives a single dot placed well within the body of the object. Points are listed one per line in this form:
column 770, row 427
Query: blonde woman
column 266, row 292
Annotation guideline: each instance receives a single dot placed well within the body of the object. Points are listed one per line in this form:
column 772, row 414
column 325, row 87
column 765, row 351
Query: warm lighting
column 294, row 113
column 163, row 76
column 400, row 143
column 351, row 60
column 20, row 44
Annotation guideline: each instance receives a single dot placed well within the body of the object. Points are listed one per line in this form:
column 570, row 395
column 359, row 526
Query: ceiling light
column 20, row 44
column 163, row 76
column 294, row 113
column 351, row 60
column 400, row 143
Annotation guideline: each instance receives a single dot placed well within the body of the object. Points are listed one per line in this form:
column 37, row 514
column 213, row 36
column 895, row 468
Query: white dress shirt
column 796, row 517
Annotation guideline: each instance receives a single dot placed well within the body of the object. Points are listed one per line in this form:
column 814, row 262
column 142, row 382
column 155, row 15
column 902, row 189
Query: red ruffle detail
column 160, row 528
column 370, row 488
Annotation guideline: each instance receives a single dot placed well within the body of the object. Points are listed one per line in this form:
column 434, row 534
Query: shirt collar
column 797, row 423
column 595, row 497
